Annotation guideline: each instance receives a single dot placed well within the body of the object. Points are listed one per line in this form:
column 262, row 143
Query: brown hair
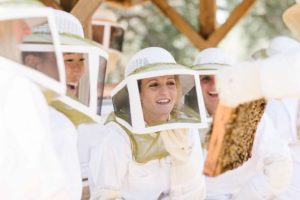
column 178, row 104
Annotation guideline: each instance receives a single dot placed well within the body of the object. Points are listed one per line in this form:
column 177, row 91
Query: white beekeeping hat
column 282, row 44
column 211, row 58
column 278, row 45
column 148, row 56
column 154, row 62
column 33, row 13
column 65, row 22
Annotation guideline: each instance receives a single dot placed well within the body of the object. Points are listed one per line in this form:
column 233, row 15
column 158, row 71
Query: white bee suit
column 284, row 116
column 29, row 168
column 86, row 138
column 89, row 136
column 68, row 111
column 293, row 192
column 115, row 173
column 264, row 176
column 64, row 138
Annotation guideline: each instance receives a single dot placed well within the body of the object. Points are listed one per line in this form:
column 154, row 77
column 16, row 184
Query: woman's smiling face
column 74, row 65
column 158, row 97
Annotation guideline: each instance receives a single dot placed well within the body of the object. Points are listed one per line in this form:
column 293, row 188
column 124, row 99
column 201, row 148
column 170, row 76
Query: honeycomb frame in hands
column 232, row 136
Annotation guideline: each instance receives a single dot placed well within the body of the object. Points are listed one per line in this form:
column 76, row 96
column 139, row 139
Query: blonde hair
column 178, row 104
column 8, row 43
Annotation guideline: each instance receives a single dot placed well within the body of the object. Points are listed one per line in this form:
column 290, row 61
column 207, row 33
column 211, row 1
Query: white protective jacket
column 64, row 138
column 264, row 176
column 89, row 137
column 293, row 192
column 284, row 115
column 29, row 168
column 114, row 172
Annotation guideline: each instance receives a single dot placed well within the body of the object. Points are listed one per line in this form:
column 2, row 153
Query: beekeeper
column 110, row 35
column 82, row 59
column 155, row 164
column 29, row 167
column 85, row 65
column 259, row 177
column 283, row 113
column 206, row 74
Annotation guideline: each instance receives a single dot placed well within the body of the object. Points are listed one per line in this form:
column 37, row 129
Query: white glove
column 177, row 144
column 239, row 84
column 187, row 181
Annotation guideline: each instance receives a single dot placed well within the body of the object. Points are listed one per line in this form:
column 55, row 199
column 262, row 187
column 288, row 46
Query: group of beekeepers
column 55, row 145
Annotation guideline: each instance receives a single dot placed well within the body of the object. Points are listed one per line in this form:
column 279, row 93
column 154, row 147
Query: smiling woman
column 154, row 95
column 159, row 96
column 145, row 139
column 74, row 65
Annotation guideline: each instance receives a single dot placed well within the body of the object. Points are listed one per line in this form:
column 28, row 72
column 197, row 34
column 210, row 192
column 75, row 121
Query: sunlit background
column 147, row 26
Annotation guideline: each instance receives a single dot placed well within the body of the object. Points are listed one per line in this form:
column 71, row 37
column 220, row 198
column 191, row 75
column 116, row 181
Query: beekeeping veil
column 81, row 105
column 155, row 62
column 28, row 14
column 108, row 32
column 208, row 62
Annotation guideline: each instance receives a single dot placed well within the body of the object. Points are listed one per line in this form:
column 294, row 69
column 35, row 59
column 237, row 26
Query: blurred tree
column 264, row 22
column 147, row 26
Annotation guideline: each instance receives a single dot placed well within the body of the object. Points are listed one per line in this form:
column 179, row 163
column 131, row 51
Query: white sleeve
column 29, row 162
column 108, row 165
column 64, row 139
column 187, row 180
column 276, row 170
column 275, row 77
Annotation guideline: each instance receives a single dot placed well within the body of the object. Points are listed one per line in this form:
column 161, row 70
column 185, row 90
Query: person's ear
column 31, row 61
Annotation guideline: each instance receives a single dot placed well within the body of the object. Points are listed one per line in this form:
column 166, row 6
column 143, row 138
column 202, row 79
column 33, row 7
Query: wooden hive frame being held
column 232, row 136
